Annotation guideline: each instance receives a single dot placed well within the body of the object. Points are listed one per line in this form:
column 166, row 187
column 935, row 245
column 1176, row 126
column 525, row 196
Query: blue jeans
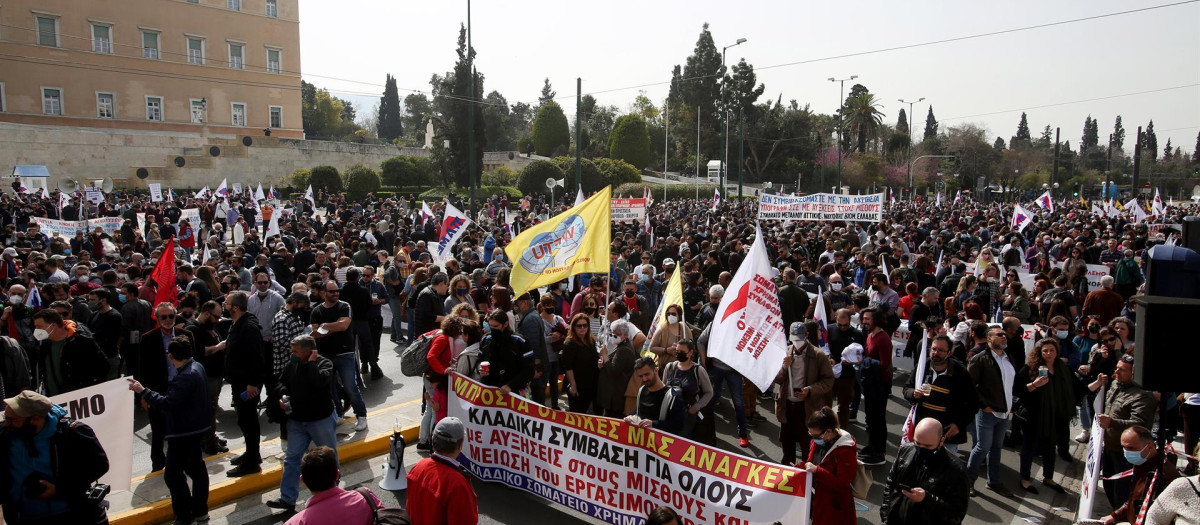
column 549, row 378
column 721, row 377
column 427, row 417
column 397, row 306
column 991, row 431
column 321, row 433
column 347, row 372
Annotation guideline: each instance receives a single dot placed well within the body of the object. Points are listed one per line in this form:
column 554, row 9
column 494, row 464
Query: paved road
column 501, row 505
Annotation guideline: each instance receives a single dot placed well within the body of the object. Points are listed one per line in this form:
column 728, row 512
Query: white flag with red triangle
column 716, row 198
column 1046, row 202
column 906, row 431
column 747, row 332
column 1021, row 218
column 1159, row 209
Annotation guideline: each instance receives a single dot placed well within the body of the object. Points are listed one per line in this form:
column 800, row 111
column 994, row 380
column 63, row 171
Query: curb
column 232, row 489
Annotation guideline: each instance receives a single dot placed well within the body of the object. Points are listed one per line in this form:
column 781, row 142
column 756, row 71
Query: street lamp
column 911, row 187
column 841, row 96
column 725, row 113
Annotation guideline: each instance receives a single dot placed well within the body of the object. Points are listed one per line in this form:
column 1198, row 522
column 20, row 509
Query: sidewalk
column 149, row 501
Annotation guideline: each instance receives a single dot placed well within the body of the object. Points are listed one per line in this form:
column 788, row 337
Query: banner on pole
column 94, row 196
column 821, row 207
column 191, row 214
column 628, row 210
column 615, row 472
column 1091, row 467
column 67, row 229
column 108, row 409
column 156, row 192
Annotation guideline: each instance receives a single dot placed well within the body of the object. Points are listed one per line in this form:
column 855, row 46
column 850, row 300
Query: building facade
column 208, row 67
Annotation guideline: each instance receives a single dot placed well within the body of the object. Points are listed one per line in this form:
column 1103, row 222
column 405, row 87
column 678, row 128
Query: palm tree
column 863, row 117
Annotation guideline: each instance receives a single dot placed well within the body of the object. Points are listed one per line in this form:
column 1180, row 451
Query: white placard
column 108, row 409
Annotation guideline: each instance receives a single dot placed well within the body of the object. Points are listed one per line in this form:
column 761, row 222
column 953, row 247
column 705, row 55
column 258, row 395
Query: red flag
column 164, row 275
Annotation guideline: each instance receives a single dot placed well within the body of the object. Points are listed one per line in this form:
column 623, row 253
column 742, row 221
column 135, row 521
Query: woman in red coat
column 832, row 461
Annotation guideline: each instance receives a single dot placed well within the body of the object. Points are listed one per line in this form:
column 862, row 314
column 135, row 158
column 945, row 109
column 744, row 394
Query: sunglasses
column 168, row 316
column 581, row 326
column 264, row 282
column 333, row 291
column 1109, row 339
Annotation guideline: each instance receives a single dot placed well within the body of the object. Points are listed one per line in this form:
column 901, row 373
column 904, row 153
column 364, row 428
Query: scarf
column 1056, row 402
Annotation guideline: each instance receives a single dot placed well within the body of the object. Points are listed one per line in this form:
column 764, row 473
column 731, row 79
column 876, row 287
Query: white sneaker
column 361, row 425
column 1084, row 436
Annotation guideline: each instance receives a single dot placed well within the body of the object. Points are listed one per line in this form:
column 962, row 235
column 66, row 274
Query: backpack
column 384, row 516
column 863, row 479
column 414, row 362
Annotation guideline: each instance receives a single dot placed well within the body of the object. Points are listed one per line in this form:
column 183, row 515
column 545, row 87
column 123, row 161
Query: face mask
column 121, row 297
column 549, row 311
column 645, row 277
column 923, row 454
column 818, row 442
column 562, row 287
column 629, row 293
column 93, row 305
column 614, row 340
column 14, row 300
column 83, row 279
column 1061, row 334
column 67, row 251
column 41, row 334
column 672, row 319
column 460, row 291
column 837, row 287
column 682, row 357
column 1134, row 457
column 1093, row 329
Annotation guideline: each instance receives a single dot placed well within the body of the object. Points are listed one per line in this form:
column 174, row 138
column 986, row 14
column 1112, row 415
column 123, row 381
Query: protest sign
column 821, row 207
column 1091, row 467
column 110, row 225
column 108, row 409
column 66, row 229
column 628, row 210
column 94, row 196
column 191, row 214
column 156, row 192
column 615, row 472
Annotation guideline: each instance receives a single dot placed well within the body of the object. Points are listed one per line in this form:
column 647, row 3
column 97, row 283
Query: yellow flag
column 573, row 242
column 672, row 295
column 1082, row 202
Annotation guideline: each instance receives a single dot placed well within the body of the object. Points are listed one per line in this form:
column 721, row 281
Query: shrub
column 361, row 180
column 630, row 141
column 501, row 176
column 590, row 174
column 674, row 191
column 550, row 129
column 533, row 177
column 483, row 192
column 299, row 178
column 404, row 170
column 616, row 172
column 325, row 178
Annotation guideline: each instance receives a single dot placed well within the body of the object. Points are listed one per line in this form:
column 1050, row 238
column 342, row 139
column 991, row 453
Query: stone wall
column 83, row 154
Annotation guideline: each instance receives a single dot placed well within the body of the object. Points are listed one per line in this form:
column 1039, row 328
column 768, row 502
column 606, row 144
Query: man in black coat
column 793, row 301
column 186, row 407
column 927, row 485
column 155, row 373
column 245, row 371
column 927, row 309
column 951, row 398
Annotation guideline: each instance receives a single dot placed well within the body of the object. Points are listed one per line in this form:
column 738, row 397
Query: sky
column 1125, row 64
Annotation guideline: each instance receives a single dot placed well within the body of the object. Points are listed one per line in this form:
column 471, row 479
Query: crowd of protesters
column 293, row 323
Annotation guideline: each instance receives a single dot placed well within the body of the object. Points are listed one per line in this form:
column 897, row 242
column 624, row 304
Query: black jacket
column 77, row 459
column 944, row 479
column 186, row 403
column 244, row 362
column 308, row 384
column 510, row 359
column 152, row 361
column 952, row 399
column 81, row 364
column 793, row 304
column 429, row 306
column 14, row 367
column 989, row 383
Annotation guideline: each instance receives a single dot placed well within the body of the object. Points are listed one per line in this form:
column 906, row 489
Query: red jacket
column 439, row 358
column 833, row 503
column 438, row 494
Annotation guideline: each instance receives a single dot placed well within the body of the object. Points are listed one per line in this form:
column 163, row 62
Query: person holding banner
column 657, row 405
column 805, row 386
column 1152, row 471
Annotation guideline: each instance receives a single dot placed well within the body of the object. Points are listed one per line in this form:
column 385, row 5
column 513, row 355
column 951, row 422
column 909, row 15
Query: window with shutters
column 105, row 105
column 237, row 56
column 102, row 38
column 52, row 101
column 195, row 51
column 154, row 108
column 150, row 45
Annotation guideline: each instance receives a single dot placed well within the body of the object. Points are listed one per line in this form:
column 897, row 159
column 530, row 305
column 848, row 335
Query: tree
column 902, row 122
column 1167, row 150
column 599, row 129
column 1196, row 152
column 931, row 125
column 1150, row 142
column 1046, row 141
column 615, row 172
column 327, row 115
column 548, row 94
column 299, row 178
column 998, row 145
column 497, row 123
column 360, row 181
column 416, row 114
column 550, row 130
column 450, row 94
column 1022, row 139
column 783, row 133
column 699, row 86
column 642, row 105
column 325, row 178
column 1091, row 135
column 863, row 118
column 1118, row 134
column 533, row 178
column 390, row 126
column 740, row 91
column 630, row 141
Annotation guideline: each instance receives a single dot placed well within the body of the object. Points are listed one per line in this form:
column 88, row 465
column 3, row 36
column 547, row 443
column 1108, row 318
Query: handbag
column 384, row 516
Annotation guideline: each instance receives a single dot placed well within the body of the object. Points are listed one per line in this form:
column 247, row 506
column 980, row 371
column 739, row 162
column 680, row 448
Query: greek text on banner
column 821, row 207
column 615, row 472
column 108, row 409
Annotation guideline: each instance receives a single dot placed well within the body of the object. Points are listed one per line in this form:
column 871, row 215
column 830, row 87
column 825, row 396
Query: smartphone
column 903, row 486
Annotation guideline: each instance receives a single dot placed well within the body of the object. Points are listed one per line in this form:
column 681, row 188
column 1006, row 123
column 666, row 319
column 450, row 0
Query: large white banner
column 1094, row 273
column 108, row 409
column 67, row 229
column 1091, row 467
column 628, row 210
column 615, row 472
column 821, row 207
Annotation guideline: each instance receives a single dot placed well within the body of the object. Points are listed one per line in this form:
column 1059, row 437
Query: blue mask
column 66, row 251
column 121, row 297
column 819, row 442
column 1134, row 457
column 645, row 277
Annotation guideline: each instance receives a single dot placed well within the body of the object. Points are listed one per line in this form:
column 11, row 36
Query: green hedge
column 482, row 192
column 674, row 191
